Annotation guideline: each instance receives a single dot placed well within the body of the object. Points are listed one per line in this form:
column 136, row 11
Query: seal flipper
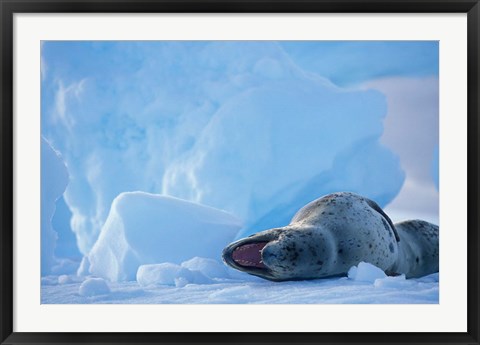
column 377, row 208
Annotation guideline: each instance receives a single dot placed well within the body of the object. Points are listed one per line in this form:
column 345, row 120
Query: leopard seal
column 330, row 235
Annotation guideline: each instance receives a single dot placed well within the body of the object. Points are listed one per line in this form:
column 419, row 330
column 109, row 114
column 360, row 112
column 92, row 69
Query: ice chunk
column 54, row 178
column 208, row 267
column 161, row 274
column 169, row 274
column 392, row 282
column 94, row 287
column 145, row 228
column 365, row 272
column 64, row 279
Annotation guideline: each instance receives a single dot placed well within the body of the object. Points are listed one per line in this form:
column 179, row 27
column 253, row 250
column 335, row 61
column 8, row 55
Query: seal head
column 282, row 254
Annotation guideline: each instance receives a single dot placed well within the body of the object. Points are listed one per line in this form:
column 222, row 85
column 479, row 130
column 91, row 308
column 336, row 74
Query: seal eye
column 249, row 255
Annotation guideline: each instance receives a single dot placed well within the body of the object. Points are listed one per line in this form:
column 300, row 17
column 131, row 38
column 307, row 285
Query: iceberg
column 236, row 126
column 93, row 287
column 366, row 272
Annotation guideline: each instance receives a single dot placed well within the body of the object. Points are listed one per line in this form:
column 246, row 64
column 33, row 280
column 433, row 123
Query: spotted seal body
column 331, row 234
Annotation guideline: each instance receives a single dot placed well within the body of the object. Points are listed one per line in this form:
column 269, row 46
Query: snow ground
column 252, row 290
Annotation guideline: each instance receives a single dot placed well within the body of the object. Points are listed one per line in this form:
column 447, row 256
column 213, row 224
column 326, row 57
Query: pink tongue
column 249, row 255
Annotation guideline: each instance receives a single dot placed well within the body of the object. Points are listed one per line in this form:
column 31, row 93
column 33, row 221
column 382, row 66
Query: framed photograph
column 239, row 172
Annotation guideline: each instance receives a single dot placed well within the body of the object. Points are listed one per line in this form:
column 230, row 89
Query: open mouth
column 246, row 254
column 249, row 255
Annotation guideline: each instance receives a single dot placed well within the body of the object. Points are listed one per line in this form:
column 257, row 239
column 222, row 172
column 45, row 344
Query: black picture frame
column 9, row 7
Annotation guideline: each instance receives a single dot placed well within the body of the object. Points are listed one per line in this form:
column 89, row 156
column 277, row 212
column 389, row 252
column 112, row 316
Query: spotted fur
column 331, row 234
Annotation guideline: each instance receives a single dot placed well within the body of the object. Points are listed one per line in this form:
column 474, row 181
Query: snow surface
column 389, row 290
column 145, row 228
